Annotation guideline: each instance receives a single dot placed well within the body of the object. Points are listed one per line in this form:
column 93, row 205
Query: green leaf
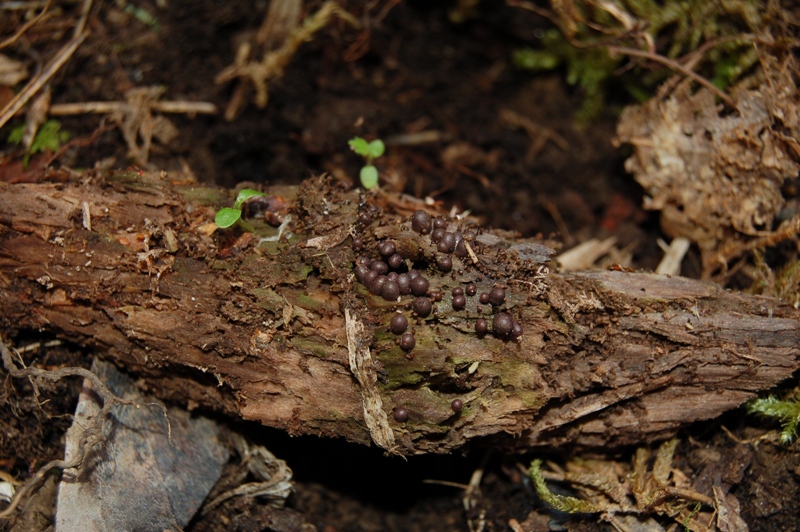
column 226, row 217
column 244, row 195
column 16, row 134
column 376, row 149
column 360, row 146
column 369, row 177
column 49, row 137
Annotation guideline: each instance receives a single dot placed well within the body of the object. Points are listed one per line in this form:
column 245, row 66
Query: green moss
column 786, row 411
column 268, row 299
column 587, row 33
column 559, row 502
column 311, row 345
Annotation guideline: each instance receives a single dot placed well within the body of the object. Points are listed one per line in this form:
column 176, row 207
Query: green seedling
column 48, row 138
column 369, row 151
column 787, row 411
column 227, row 216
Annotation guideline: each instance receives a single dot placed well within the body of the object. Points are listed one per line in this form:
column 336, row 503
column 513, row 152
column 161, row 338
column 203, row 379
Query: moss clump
column 787, row 411
column 593, row 40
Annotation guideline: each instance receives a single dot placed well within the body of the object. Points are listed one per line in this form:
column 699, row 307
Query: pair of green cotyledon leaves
column 227, row 216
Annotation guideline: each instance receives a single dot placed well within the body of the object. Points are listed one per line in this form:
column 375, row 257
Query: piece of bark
column 125, row 265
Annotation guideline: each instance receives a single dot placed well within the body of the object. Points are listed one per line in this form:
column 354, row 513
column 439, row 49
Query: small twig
column 39, row 81
column 674, row 65
column 25, row 27
column 86, row 7
column 175, row 107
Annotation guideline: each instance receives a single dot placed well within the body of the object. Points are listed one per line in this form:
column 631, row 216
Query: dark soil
column 414, row 71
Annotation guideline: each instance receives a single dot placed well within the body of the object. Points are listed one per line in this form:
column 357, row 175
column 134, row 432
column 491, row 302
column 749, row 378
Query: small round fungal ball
column 439, row 223
column 459, row 302
column 447, row 243
column 358, row 242
column 461, row 249
column 516, row 330
column 370, row 276
column 496, row 296
column 401, row 414
column 376, row 286
column 413, row 274
column 471, row 289
column 422, row 306
column 361, row 272
column 421, row 222
column 458, row 291
column 481, row 326
column 365, row 218
column 419, row 286
column 407, row 341
column 398, row 324
column 484, row 298
column 395, row 261
column 392, row 276
column 502, row 323
column 436, row 295
column 445, row 263
column 437, row 235
column 390, row 291
column 379, row 266
column 387, row 248
column 404, row 282
column 457, row 405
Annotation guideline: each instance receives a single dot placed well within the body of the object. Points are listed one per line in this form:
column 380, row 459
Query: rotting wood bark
column 125, row 266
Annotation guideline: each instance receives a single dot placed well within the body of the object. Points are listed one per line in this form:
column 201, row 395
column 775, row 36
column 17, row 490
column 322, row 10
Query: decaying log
column 281, row 332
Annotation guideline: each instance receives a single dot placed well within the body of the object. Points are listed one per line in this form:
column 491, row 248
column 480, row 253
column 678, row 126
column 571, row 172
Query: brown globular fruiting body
column 436, row 295
column 392, row 276
column 395, row 261
column 516, row 330
column 457, row 405
column 497, row 296
column 365, row 218
column 387, row 248
column 461, row 249
column 376, row 286
column 422, row 306
column 445, row 264
column 370, row 276
column 421, row 222
column 419, row 286
column 404, row 283
column 471, row 289
column 390, row 291
column 502, row 323
column 481, row 326
column 401, row 414
column 459, row 302
column 437, row 235
column 447, row 243
column 358, row 243
column 398, row 324
column 361, row 272
column 379, row 266
column 439, row 223
column 458, row 291
column 484, row 298
column 407, row 341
